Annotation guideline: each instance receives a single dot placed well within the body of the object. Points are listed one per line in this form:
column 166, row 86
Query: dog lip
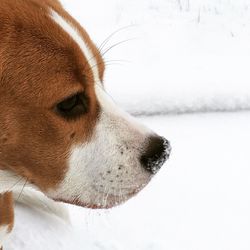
column 115, row 200
column 128, row 189
column 81, row 204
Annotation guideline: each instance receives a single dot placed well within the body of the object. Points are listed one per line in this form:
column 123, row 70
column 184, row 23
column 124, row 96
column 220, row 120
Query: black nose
column 156, row 153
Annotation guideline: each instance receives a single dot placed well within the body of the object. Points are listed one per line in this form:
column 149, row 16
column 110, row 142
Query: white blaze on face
column 75, row 35
column 105, row 171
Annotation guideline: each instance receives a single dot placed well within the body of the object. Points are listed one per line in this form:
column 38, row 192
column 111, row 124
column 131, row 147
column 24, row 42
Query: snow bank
column 188, row 55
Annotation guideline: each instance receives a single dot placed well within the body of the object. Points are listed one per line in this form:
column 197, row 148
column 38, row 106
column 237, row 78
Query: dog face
column 60, row 130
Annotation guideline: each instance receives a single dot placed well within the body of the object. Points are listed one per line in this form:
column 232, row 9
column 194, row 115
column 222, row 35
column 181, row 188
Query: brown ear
column 7, row 210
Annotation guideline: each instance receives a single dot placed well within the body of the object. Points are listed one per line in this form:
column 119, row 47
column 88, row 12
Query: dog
column 60, row 132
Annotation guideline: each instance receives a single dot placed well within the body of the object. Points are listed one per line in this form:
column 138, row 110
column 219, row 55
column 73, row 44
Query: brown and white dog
column 59, row 131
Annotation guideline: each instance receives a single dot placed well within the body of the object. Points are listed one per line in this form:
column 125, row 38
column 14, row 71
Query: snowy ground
column 199, row 200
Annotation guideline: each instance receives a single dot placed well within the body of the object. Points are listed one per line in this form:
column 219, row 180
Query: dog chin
column 108, row 200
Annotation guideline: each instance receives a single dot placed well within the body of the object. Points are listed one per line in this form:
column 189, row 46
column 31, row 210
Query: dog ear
column 6, row 216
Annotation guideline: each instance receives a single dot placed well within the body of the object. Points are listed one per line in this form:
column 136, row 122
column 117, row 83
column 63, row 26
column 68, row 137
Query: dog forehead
column 95, row 63
column 72, row 31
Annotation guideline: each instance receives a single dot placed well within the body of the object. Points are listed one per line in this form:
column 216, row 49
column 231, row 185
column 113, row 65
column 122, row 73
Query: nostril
column 157, row 152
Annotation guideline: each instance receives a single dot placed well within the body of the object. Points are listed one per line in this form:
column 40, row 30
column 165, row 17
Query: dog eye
column 73, row 106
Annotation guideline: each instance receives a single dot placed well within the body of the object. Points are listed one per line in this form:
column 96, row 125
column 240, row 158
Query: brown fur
column 40, row 65
column 6, row 210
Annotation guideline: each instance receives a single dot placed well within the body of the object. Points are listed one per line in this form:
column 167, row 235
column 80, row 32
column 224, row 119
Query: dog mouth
column 110, row 201
column 107, row 200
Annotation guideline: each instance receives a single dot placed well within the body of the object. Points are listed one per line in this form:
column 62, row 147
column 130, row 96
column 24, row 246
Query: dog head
column 60, row 130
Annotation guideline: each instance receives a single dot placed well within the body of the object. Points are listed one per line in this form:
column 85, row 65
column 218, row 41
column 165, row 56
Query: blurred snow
column 186, row 56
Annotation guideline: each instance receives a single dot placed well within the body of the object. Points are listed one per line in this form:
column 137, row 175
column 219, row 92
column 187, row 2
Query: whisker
column 22, row 190
column 107, row 63
column 114, row 64
column 117, row 44
column 120, row 194
column 103, row 196
column 12, row 187
column 106, row 198
column 122, row 61
column 112, row 34
column 99, row 50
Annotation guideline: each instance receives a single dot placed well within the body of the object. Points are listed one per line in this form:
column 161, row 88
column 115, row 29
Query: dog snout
column 157, row 152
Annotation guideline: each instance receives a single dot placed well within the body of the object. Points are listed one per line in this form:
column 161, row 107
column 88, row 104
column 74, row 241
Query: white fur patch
column 3, row 234
column 10, row 181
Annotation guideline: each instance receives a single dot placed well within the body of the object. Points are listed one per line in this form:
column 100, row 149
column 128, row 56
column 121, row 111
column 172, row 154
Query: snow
column 198, row 200
column 184, row 56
